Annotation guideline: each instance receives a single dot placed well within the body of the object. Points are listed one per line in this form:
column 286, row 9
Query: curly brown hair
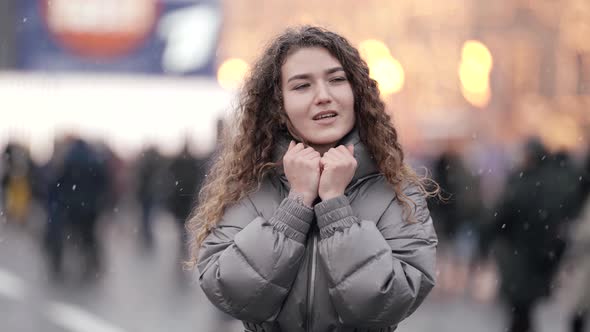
column 245, row 155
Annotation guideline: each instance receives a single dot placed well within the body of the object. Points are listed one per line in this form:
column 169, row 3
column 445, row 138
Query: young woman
column 310, row 220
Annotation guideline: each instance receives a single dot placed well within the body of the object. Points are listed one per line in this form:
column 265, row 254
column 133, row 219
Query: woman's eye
column 338, row 79
column 301, row 86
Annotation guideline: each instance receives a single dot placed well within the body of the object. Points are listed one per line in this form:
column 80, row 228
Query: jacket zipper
column 311, row 283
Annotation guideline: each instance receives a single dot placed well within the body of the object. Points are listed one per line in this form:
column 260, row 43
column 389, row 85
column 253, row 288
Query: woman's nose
column 323, row 95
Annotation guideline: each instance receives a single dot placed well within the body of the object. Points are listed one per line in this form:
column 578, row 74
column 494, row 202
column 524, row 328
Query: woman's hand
column 338, row 167
column 302, row 168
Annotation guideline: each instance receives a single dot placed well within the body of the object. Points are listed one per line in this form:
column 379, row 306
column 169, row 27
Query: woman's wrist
column 301, row 198
column 329, row 195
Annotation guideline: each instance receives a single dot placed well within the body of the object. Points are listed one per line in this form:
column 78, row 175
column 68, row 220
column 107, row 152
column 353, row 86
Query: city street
column 123, row 114
column 143, row 292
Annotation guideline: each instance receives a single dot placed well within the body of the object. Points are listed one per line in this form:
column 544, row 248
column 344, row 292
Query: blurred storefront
column 7, row 36
column 496, row 70
column 139, row 36
column 131, row 72
column 463, row 69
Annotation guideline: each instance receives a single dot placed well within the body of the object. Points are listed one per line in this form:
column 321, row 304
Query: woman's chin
column 330, row 138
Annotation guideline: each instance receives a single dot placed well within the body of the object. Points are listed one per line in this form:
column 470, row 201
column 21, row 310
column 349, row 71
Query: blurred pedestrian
column 337, row 236
column 529, row 229
column 187, row 173
column 77, row 196
column 149, row 189
column 584, row 179
column 457, row 217
column 17, row 183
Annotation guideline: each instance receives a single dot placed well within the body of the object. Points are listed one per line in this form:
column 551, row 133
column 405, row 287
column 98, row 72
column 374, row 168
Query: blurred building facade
column 536, row 83
column 7, row 36
column 496, row 71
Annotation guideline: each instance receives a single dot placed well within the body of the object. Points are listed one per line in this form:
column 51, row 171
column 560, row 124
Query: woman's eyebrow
column 307, row 76
column 333, row 70
column 299, row 77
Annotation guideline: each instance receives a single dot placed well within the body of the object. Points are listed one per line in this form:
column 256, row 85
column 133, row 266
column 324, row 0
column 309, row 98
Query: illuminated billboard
column 174, row 37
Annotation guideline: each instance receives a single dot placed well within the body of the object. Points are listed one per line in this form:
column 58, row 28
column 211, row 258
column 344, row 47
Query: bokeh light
column 372, row 50
column 475, row 51
column 383, row 67
column 231, row 73
column 474, row 73
column 388, row 72
column 473, row 76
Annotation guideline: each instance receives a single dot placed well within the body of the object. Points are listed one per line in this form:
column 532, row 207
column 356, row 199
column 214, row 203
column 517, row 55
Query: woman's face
column 317, row 96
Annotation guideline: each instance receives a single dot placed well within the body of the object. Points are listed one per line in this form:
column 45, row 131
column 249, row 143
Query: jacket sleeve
column 247, row 271
column 379, row 271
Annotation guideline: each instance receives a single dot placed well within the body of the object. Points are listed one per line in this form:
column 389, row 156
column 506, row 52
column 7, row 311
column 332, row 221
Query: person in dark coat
column 450, row 173
column 584, row 178
column 186, row 172
column 456, row 216
column 77, row 196
column 529, row 229
column 149, row 186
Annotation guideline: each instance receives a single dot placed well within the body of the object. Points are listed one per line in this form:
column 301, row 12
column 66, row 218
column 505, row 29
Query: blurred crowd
column 509, row 228
column 514, row 228
column 85, row 183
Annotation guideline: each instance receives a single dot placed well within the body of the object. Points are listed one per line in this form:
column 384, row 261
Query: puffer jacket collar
column 365, row 162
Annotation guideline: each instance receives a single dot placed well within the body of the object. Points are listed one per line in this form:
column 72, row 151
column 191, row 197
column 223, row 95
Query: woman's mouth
column 325, row 117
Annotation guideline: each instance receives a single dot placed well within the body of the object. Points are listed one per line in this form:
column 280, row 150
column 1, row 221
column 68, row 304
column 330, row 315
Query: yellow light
column 373, row 50
column 475, row 51
column 474, row 73
column 478, row 99
column 474, row 77
column 231, row 73
column 388, row 73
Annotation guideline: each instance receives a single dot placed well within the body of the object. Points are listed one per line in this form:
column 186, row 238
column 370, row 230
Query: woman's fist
column 338, row 167
column 302, row 168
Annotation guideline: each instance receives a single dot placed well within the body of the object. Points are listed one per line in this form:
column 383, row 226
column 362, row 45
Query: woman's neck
column 322, row 148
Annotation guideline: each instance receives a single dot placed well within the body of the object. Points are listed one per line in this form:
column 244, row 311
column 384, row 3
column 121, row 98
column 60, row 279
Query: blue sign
column 174, row 37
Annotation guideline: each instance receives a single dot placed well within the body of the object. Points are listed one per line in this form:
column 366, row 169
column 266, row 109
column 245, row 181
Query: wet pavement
column 145, row 292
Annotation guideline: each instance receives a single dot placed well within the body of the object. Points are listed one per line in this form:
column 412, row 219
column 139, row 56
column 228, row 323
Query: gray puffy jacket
column 353, row 263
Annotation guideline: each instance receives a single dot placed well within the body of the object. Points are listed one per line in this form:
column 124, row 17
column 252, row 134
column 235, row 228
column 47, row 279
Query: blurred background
column 114, row 106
